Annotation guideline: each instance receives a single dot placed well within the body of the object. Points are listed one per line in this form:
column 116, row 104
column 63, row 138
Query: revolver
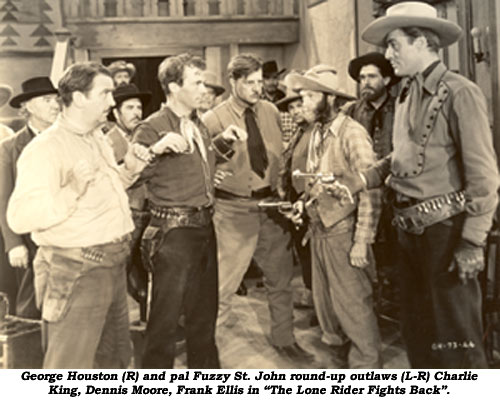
column 282, row 206
column 324, row 178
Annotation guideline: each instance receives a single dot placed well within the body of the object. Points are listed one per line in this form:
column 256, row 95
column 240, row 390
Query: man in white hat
column 444, row 175
column 341, row 235
column 122, row 72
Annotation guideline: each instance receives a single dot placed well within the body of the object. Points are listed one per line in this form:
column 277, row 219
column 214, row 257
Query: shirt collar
column 334, row 126
column 238, row 108
column 35, row 131
column 432, row 75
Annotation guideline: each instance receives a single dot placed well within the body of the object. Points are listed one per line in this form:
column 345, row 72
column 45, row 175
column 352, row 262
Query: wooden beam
column 189, row 31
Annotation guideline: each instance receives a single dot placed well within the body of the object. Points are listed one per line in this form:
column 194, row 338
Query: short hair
column 433, row 41
column 79, row 77
column 243, row 64
column 171, row 70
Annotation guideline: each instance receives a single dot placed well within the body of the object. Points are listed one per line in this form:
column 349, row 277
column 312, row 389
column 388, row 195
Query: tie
column 256, row 148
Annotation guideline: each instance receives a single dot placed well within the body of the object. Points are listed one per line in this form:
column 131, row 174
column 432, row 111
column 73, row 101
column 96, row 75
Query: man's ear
column 78, row 98
column 173, row 87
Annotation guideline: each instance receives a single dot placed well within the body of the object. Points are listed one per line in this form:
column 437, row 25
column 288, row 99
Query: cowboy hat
column 270, row 68
column 211, row 82
column 129, row 91
column 5, row 94
column 377, row 59
column 411, row 14
column 121, row 65
column 291, row 96
column 321, row 78
column 34, row 87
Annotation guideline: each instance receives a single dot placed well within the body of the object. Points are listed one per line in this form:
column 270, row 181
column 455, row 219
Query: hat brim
column 26, row 96
column 219, row 90
column 300, row 82
column 376, row 32
column 283, row 103
column 276, row 73
column 144, row 97
column 5, row 94
column 358, row 63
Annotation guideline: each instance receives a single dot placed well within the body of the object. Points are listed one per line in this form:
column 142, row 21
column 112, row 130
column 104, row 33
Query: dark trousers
column 441, row 317
column 303, row 253
column 185, row 280
column 18, row 284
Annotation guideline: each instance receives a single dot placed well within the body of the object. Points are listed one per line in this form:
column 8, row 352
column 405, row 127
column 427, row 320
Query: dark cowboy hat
column 411, row 14
column 211, row 82
column 377, row 59
column 270, row 68
column 129, row 91
column 34, row 87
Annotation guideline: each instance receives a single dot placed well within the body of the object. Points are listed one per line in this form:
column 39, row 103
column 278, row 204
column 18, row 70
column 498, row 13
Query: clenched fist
column 82, row 175
column 18, row 256
column 234, row 133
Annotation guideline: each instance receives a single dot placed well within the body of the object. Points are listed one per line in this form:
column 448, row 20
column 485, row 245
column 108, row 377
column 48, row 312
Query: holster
column 165, row 219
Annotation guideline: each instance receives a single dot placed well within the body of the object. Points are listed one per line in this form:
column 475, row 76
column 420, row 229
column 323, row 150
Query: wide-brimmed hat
column 5, row 94
column 210, row 81
column 322, row 78
column 411, row 14
column 270, row 68
column 121, row 65
column 377, row 59
column 291, row 96
column 34, row 87
column 129, row 91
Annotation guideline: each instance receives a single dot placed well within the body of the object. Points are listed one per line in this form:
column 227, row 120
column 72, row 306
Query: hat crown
column 209, row 77
column 37, row 84
column 325, row 75
column 412, row 8
column 125, row 89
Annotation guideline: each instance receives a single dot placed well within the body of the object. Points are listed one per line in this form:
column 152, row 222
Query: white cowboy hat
column 5, row 94
column 411, row 14
column 321, row 78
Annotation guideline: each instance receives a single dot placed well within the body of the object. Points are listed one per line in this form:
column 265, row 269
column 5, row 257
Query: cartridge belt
column 414, row 216
column 174, row 217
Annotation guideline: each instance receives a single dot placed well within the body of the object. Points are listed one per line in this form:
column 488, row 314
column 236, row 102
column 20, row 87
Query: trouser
column 303, row 253
column 84, row 307
column 17, row 283
column 441, row 317
column 184, row 268
column 243, row 232
column 343, row 299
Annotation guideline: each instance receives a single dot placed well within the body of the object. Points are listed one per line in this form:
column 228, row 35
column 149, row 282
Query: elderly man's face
column 44, row 109
column 129, row 113
column 372, row 82
column 121, row 78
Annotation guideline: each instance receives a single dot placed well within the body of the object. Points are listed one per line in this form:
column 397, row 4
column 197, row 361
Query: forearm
column 368, row 214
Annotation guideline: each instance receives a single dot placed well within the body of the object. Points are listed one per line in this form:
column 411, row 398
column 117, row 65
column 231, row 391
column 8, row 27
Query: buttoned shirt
column 451, row 149
column 343, row 146
column 243, row 180
column 45, row 203
column 377, row 121
column 288, row 126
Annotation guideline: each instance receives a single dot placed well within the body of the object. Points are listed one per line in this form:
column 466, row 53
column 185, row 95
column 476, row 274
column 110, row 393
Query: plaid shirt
column 342, row 146
column 288, row 127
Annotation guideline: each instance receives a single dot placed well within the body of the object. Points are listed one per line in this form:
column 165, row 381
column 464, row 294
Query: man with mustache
column 242, row 229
